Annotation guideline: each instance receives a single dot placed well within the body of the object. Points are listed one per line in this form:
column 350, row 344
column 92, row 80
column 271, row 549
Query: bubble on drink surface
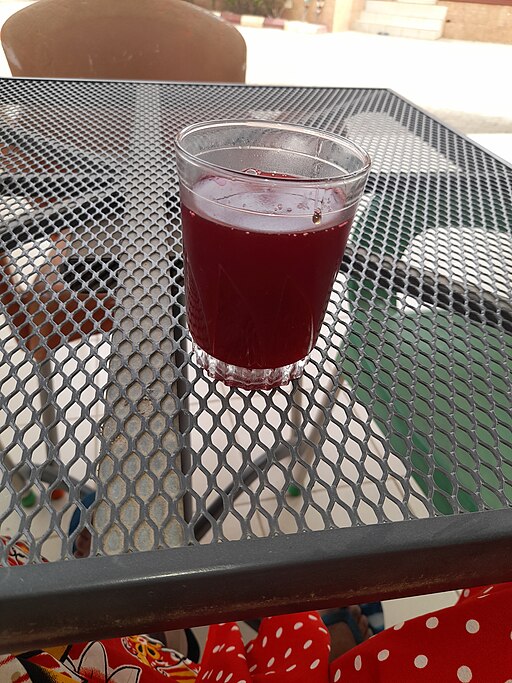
column 251, row 171
column 317, row 217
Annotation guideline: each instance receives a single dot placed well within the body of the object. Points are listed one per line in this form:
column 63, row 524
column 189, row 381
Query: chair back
column 163, row 40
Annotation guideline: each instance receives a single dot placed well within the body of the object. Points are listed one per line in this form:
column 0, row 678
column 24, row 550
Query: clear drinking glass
column 266, row 211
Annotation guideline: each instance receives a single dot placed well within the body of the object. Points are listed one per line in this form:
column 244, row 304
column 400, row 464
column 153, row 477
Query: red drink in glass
column 262, row 247
column 256, row 289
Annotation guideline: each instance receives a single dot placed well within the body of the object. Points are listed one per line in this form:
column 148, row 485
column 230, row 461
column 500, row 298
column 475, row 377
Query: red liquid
column 256, row 298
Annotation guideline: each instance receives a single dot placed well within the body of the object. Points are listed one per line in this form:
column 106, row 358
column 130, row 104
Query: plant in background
column 273, row 8
column 265, row 8
column 240, row 6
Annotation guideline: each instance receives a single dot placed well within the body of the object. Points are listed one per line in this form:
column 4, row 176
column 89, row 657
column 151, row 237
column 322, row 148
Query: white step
column 405, row 9
column 399, row 31
column 417, row 2
column 401, row 22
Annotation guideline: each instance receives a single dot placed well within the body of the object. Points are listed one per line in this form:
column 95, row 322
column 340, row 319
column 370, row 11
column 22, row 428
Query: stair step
column 405, row 9
column 401, row 22
column 417, row 2
column 399, row 31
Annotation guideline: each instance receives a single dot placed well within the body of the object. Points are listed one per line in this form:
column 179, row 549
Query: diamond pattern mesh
column 403, row 411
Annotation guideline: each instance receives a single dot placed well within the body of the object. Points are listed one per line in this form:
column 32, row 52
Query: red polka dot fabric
column 286, row 648
column 468, row 643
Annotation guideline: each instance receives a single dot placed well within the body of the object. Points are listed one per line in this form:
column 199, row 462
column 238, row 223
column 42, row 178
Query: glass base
column 245, row 378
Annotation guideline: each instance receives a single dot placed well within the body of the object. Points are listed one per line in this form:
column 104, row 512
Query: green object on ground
column 29, row 500
column 442, row 407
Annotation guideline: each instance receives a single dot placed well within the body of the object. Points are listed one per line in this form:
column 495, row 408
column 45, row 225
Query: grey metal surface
column 140, row 436
column 403, row 411
column 205, row 586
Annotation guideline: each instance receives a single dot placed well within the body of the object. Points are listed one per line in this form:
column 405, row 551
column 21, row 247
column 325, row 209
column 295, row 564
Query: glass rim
column 339, row 139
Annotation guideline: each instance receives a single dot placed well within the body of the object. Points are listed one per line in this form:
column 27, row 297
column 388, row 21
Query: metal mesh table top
column 403, row 412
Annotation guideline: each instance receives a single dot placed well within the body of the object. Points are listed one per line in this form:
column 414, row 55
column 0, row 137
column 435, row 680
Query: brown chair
column 106, row 39
column 163, row 40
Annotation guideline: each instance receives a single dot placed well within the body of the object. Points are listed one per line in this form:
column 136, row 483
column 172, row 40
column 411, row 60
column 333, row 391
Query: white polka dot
column 337, row 676
column 216, row 649
column 298, row 625
column 481, row 597
column 358, row 663
column 510, row 635
column 472, row 626
column 466, row 592
column 241, row 655
column 328, row 647
column 222, row 647
column 323, row 630
column 250, row 646
column 264, row 641
column 288, row 653
column 253, row 668
column 234, row 627
column 383, row 655
column 397, row 627
column 464, row 674
column 269, row 673
column 307, row 644
column 433, row 622
column 312, row 617
column 219, row 675
column 270, row 662
column 421, row 662
column 242, row 680
column 228, row 678
column 230, row 648
column 279, row 632
column 315, row 664
column 292, row 667
column 488, row 590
